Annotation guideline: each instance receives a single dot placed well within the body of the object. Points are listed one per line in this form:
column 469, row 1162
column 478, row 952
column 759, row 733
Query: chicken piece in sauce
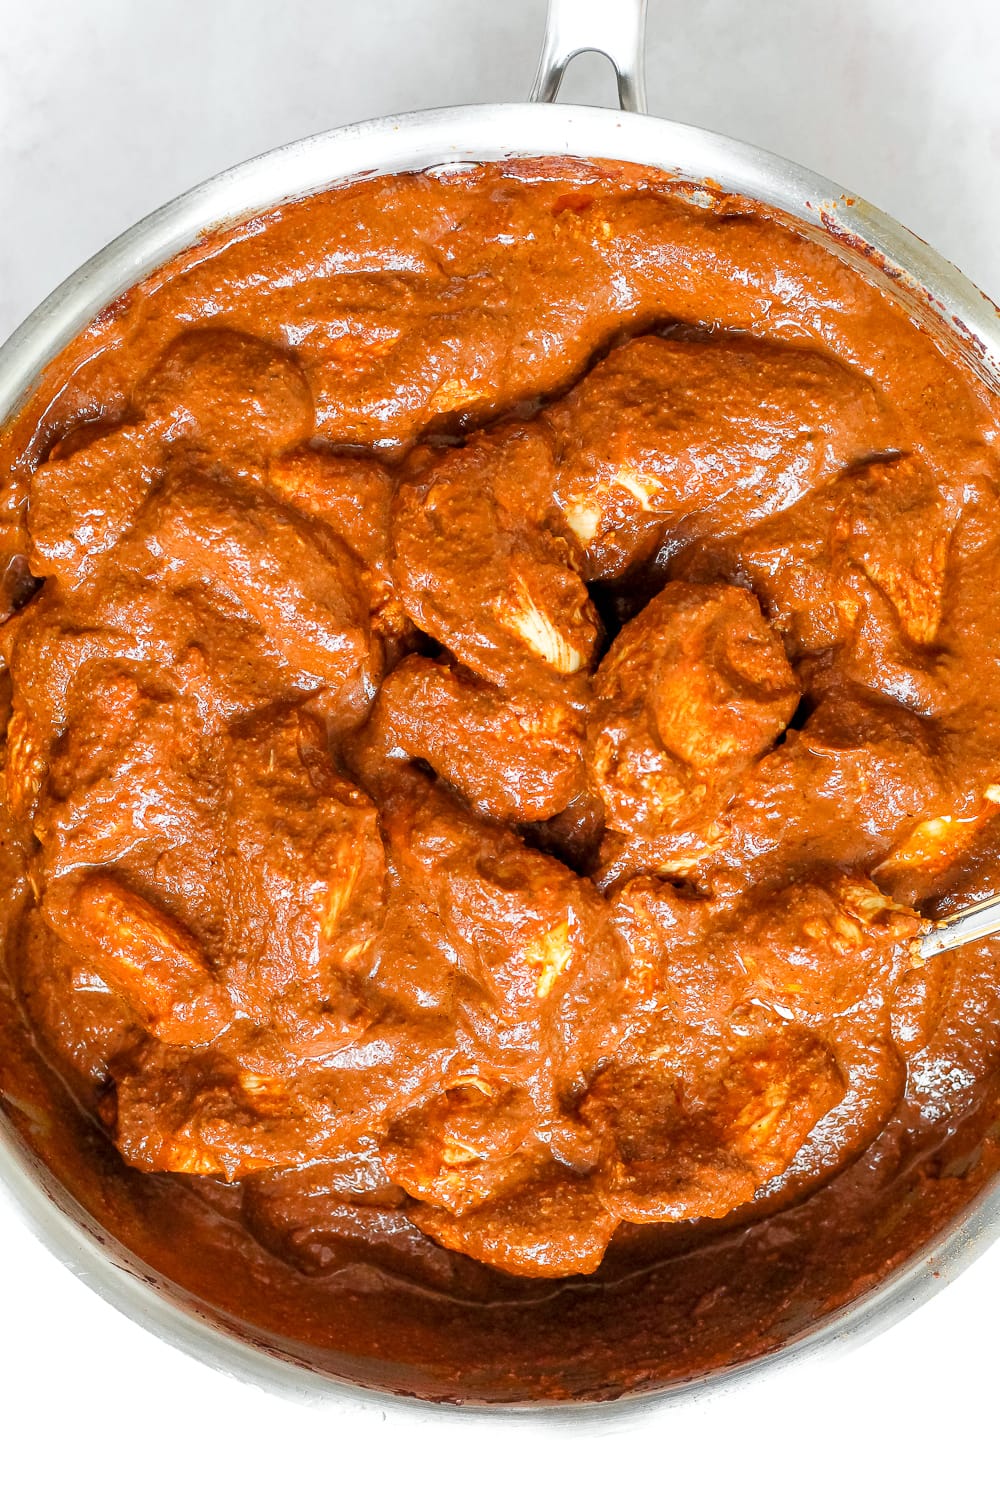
column 693, row 691
column 711, row 432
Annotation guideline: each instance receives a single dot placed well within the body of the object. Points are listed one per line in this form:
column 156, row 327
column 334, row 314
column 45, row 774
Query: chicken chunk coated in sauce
column 693, row 691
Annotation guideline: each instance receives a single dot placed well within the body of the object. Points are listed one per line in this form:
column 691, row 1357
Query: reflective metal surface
column 932, row 289
column 617, row 31
column 970, row 925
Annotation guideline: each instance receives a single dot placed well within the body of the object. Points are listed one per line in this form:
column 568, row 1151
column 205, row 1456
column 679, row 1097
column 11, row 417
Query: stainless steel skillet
column 881, row 249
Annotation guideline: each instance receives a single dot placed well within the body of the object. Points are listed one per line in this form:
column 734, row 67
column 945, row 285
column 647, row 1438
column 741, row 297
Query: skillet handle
column 615, row 28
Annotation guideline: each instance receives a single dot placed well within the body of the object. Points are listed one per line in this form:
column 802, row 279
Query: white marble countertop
column 107, row 109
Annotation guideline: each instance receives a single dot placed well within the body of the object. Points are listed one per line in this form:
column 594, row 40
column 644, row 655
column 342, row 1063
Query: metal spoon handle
column 966, row 926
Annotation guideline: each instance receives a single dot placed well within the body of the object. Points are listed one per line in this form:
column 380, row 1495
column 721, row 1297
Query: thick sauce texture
column 498, row 666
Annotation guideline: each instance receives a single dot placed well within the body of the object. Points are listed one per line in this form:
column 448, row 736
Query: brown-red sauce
column 515, row 655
